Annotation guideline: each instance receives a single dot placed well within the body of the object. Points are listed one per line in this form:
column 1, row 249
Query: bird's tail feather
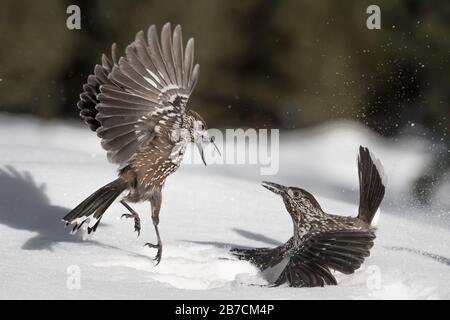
column 94, row 206
column 371, row 186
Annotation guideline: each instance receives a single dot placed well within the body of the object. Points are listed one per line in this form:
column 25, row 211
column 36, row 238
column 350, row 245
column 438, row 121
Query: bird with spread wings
column 139, row 106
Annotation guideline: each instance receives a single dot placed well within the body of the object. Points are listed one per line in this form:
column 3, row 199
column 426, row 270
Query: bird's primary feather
column 127, row 98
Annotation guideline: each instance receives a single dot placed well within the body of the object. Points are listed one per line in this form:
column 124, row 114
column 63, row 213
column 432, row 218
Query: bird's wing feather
column 142, row 94
column 341, row 250
column 263, row 258
column 298, row 273
column 88, row 98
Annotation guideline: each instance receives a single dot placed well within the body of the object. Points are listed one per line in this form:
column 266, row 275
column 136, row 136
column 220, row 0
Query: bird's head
column 199, row 134
column 293, row 197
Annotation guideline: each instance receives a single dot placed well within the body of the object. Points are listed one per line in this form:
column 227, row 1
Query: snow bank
column 48, row 168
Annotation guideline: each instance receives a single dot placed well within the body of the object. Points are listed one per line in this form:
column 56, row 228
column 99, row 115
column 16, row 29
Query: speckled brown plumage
column 323, row 241
column 138, row 105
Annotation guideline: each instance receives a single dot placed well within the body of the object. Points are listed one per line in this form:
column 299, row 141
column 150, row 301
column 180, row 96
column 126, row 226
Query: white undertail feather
column 376, row 218
column 384, row 180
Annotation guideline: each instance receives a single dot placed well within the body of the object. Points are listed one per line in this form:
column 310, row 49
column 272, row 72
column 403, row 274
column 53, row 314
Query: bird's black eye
column 296, row 194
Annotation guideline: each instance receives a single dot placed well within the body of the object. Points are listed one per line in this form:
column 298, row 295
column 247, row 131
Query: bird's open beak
column 202, row 152
column 215, row 145
column 200, row 147
column 275, row 188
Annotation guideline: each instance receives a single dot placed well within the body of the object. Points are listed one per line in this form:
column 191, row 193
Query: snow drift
column 48, row 168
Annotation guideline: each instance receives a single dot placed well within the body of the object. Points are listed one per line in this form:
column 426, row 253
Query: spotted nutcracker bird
column 323, row 241
column 139, row 107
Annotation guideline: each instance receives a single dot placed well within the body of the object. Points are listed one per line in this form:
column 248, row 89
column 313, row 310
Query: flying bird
column 139, row 106
column 323, row 242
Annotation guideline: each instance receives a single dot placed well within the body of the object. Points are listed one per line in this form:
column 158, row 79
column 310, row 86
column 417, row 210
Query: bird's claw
column 151, row 245
column 158, row 254
column 137, row 222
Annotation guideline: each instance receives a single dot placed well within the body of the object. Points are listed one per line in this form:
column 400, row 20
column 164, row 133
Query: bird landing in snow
column 323, row 241
column 138, row 105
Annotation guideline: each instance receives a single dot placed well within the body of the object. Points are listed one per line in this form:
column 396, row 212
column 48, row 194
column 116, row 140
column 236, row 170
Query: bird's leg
column 156, row 206
column 132, row 214
column 156, row 246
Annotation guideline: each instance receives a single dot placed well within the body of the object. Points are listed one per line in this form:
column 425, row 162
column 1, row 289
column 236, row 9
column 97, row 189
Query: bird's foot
column 158, row 253
column 137, row 221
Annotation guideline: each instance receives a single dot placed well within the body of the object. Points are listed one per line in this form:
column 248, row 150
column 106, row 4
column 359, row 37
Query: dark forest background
column 284, row 64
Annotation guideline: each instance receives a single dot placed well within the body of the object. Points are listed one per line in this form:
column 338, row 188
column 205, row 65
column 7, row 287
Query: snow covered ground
column 48, row 168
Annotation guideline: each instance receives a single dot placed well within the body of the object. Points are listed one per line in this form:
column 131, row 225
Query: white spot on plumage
column 170, row 87
column 150, row 81
column 154, row 76
column 376, row 218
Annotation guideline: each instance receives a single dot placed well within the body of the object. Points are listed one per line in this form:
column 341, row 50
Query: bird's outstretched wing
column 88, row 98
column 262, row 258
column 342, row 250
column 142, row 94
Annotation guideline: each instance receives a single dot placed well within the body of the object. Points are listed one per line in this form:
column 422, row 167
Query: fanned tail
column 371, row 187
column 94, row 206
